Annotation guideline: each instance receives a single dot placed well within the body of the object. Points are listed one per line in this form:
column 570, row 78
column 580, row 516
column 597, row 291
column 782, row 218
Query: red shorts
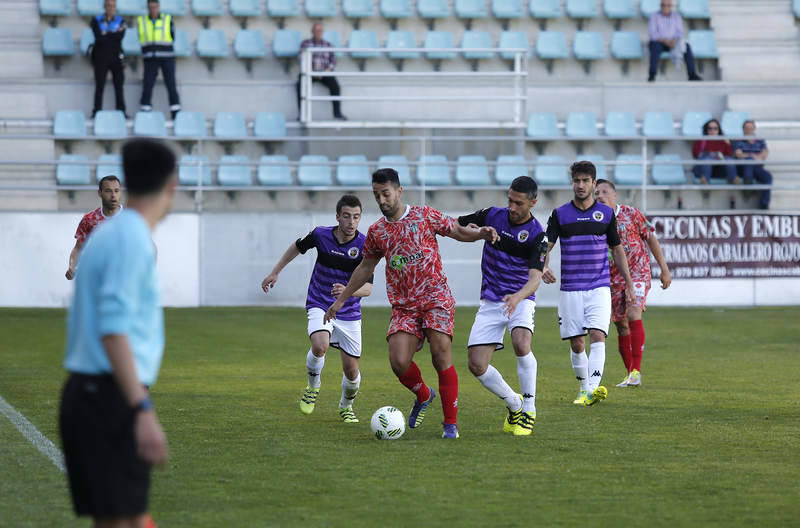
column 413, row 321
column 618, row 304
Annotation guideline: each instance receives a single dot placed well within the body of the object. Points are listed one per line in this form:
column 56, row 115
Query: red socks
column 624, row 342
column 412, row 379
column 448, row 390
column 637, row 343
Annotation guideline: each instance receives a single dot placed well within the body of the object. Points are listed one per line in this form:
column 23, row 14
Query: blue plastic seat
column 69, row 123
column 396, row 9
column 693, row 123
column 282, row 8
column 314, row 171
column 70, row 173
column 551, row 45
column 696, row 9
column 620, row 124
column 332, row 37
column 703, row 43
column 194, row 169
column 182, row 45
column 269, row 125
column 363, row 38
column 109, row 165
column 796, row 8
column 358, row 8
column 545, row 9
column 512, row 39
column 648, row 7
column 602, row 170
column 131, row 7
column 657, row 124
column 249, row 44
column 582, row 9
column 320, row 8
column 510, row 167
column 233, row 171
column 542, row 124
column 57, row 42
column 471, row 9
column 55, row 7
column 551, row 170
column 150, row 124
column 433, row 170
column 230, row 125
column 477, row 39
column 110, row 124
column 626, row 45
column 619, row 9
column 130, row 44
column 670, row 174
column 507, row 8
column 628, row 174
column 588, row 45
column 274, row 171
column 472, row 171
column 212, row 44
column 433, row 8
column 171, row 7
column 353, row 171
column 398, row 163
column 190, row 124
column 439, row 39
column 732, row 122
column 581, row 124
column 401, row 40
column 286, row 43
column 87, row 40
column 207, row 8
column 90, row 8
column 245, row 8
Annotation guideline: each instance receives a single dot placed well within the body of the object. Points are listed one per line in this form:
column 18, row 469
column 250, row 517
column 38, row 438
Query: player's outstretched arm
column 548, row 277
column 289, row 255
column 511, row 300
column 621, row 262
column 655, row 247
column 73, row 260
column 472, row 234
column 359, row 278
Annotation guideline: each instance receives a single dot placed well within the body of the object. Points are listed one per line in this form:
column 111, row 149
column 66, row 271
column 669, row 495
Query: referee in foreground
column 115, row 340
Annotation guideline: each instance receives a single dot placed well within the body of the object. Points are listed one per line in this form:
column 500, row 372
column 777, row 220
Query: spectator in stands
column 321, row 62
column 753, row 149
column 665, row 30
column 713, row 149
column 106, row 54
column 156, row 35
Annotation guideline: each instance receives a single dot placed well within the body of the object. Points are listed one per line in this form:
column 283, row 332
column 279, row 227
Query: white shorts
column 344, row 335
column 580, row 311
column 491, row 323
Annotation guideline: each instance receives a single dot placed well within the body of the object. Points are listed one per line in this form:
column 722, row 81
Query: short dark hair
column 148, row 165
column 707, row 123
column 386, row 176
column 104, row 179
column 748, row 121
column 583, row 167
column 348, row 200
column 152, row 1
column 607, row 182
column 525, row 185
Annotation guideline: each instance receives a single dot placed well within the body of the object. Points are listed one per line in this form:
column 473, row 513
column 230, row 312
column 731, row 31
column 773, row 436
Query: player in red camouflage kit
column 422, row 305
column 636, row 235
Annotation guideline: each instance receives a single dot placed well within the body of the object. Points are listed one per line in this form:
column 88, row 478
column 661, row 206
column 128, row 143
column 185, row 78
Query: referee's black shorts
column 106, row 477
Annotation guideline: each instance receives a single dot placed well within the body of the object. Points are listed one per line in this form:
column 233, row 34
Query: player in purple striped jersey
column 339, row 251
column 511, row 270
column 587, row 229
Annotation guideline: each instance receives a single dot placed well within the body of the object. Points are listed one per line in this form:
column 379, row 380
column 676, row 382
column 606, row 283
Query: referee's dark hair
column 348, row 200
column 583, row 167
column 607, row 182
column 525, row 185
column 386, row 176
column 148, row 165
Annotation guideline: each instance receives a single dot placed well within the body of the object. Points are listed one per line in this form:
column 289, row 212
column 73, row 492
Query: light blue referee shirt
column 116, row 292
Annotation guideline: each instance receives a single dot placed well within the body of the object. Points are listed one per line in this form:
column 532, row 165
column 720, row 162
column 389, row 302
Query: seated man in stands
column 665, row 30
column 713, row 149
column 321, row 62
column 753, row 149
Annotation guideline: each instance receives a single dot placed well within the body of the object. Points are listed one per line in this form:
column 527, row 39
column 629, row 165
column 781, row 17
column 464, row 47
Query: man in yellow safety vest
column 156, row 35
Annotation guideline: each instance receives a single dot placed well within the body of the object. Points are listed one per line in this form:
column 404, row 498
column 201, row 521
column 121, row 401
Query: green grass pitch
column 711, row 439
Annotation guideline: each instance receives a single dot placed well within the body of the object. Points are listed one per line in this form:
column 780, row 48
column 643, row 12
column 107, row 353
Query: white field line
column 32, row 434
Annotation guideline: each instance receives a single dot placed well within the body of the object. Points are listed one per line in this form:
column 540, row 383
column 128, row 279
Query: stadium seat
column 286, row 43
column 589, row 46
column 620, row 124
column 545, row 10
column 332, row 36
column 87, row 40
column 602, row 170
column 182, row 45
column 431, row 9
column 619, row 9
column 269, row 125
column 314, row 171
column 353, row 171
column 320, row 8
column 506, row 9
column 542, row 124
column 149, row 124
column 55, row 7
column 193, row 170
column 512, row 39
column 207, row 8
column 551, row 45
column 472, row 171
column 233, row 171
column 731, row 122
column 581, row 124
column 230, row 125
column 212, row 44
column 470, row 9
column 626, row 45
column 628, row 174
column 433, row 170
column 282, row 8
column 68, row 172
column 130, row 44
column 249, row 44
column 582, row 9
column 90, row 8
column 510, row 167
column 693, row 123
column 551, row 170
column 796, row 8
column 245, row 8
column 363, row 38
column 110, row 124
column 657, row 124
column 648, row 7
column 171, row 7
column 131, row 7
column 274, row 171
column 358, row 9
column 401, row 40
column 476, row 39
column 439, row 39
column 189, row 124
column 57, row 42
column 109, row 165
column 69, row 124
column 703, row 43
column 394, row 9
column 398, row 163
column 694, row 9
column 668, row 174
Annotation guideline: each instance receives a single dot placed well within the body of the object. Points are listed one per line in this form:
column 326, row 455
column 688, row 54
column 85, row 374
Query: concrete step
column 774, row 106
column 758, row 26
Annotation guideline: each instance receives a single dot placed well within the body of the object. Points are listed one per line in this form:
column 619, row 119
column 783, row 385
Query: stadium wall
column 217, row 259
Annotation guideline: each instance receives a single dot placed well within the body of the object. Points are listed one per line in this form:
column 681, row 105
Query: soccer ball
column 388, row 423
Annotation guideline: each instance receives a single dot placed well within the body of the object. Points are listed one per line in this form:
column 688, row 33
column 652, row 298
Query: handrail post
column 198, row 196
column 517, row 85
column 644, row 174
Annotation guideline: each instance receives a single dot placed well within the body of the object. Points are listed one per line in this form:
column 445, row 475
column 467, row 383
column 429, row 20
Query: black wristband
column 144, row 405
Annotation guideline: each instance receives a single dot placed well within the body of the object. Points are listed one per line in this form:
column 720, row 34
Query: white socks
column 314, row 365
column 580, row 364
column 526, row 371
column 349, row 390
column 493, row 380
column 597, row 362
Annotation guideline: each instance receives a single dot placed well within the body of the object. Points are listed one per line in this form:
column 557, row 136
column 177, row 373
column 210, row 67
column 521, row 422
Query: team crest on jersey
column 352, row 252
column 598, row 216
column 523, row 235
column 413, row 228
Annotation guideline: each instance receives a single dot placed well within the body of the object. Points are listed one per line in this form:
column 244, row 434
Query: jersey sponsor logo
column 598, row 216
column 523, row 235
column 399, row 261
column 352, row 252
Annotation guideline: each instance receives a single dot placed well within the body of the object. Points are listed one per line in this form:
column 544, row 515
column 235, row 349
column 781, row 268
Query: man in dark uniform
column 106, row 54
column 156, row 34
